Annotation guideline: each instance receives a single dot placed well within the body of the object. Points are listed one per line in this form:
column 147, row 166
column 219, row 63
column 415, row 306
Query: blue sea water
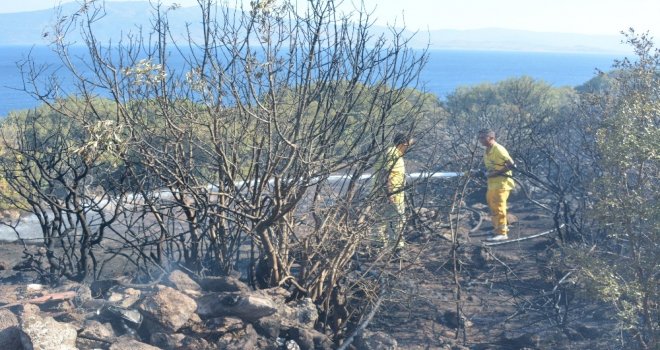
column 445, row 71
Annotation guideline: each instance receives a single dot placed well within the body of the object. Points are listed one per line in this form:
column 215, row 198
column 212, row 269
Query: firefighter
column 390, row 173
column 498, row 164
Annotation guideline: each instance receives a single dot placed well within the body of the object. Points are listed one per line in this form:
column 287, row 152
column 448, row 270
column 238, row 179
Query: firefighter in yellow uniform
column 498, row 164
column 390, row 182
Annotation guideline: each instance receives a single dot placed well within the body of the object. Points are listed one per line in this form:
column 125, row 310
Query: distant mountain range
column 35, row 28
column 520, row 40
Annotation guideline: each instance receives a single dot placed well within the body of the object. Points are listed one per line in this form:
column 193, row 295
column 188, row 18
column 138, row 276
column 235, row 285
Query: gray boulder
column 239, row 339
column 300, row 313
column 10, row 337
column 296, row 314
column 224, row 324
column 168, row 308
column 309, row 339
column 44, row 332
column 166, row 340
column 131, row 344
column 180, row 281
column 95, row 335
column 246, row 306
column 223, row 284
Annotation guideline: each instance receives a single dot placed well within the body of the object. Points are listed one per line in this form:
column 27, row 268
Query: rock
column 224, row 324
column 131, row 344
column 180, row 341
column 195, row 326
column 194, row 319
column 122, row 319
column 309, row 339
column 182, row 282
column 375, row 341
column 302, row 312
column 166, row 340
column 269, row 326
column 297, row 314
column 190, row 343
column 168, row 308
column 239, row 339
column 125, row 298
column 425, row 213
column 95, row 335
column 446, row 341
column 83, row 294
column 447, row 334
column 276, row 294
column 247, row 307
column 223, row 284
column 34, row 288
column 291, row 345
column 44, row 332
column 10, row 337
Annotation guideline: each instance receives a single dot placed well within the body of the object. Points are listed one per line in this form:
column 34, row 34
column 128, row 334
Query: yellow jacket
column 495, row 159
column 391, row 174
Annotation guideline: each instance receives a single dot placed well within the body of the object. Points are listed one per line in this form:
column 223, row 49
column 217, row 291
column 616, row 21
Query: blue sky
column 564, row 16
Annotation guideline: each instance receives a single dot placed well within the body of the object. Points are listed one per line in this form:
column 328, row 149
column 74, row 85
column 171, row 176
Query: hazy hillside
column 119, row 18
column 30, row 28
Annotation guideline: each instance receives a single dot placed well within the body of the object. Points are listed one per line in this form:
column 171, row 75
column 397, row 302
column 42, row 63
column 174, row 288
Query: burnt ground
column 511, row 296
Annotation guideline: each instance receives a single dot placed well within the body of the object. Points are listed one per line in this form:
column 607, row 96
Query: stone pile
column 177, row 313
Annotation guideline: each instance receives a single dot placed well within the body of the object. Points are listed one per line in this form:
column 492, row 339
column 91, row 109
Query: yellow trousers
column 496, row 199
column 391, row 221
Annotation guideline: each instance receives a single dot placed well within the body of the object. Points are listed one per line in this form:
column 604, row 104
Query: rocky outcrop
column 223, row 284
column 95, row 335
column 168, row 308
column 131, row 344
column 43, row 332
column 179, row 314
column 246, row 306
column 10, row 337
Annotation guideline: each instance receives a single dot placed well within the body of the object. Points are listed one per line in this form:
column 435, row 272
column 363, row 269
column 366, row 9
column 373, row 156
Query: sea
column 444, row 72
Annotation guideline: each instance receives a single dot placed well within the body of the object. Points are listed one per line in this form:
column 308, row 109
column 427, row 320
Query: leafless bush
column 216, row 152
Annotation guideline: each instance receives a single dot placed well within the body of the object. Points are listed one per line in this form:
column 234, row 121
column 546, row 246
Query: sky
column 608, row 17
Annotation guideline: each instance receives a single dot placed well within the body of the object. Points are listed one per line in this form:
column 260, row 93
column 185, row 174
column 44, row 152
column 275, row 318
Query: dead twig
column 44, row 299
